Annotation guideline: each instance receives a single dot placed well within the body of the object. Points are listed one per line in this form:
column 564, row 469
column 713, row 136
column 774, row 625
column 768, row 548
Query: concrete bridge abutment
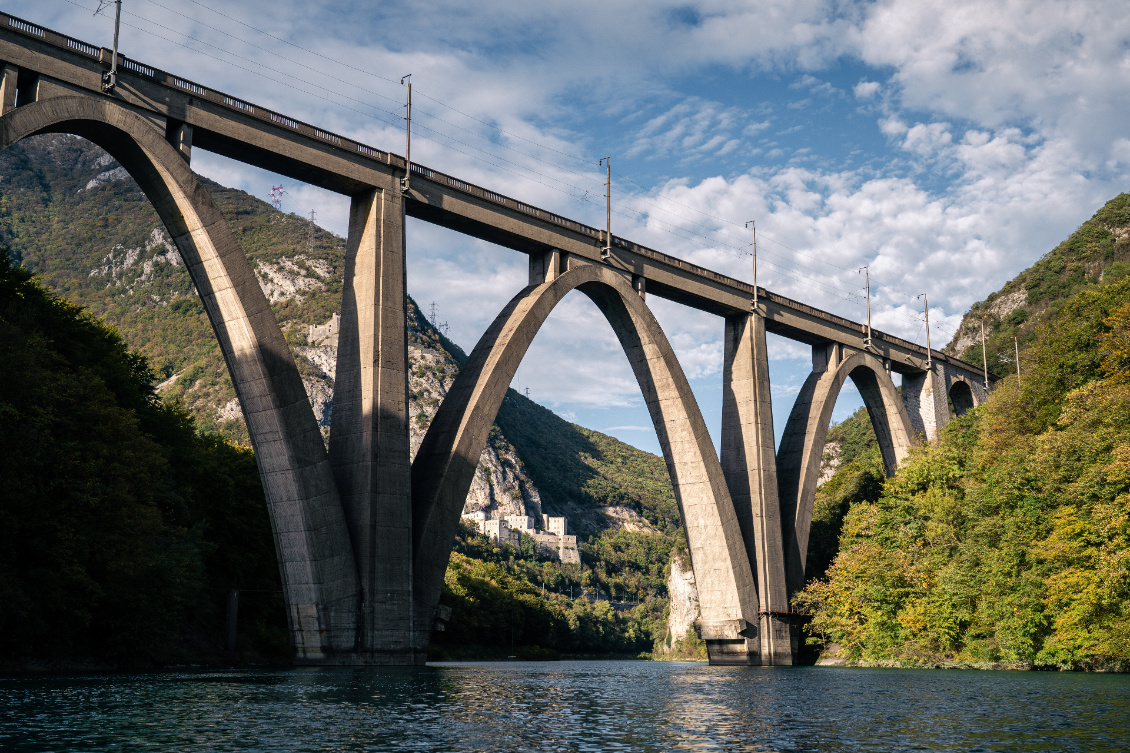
column 927, row 401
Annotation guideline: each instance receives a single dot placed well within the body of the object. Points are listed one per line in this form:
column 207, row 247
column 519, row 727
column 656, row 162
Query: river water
column 569, row 705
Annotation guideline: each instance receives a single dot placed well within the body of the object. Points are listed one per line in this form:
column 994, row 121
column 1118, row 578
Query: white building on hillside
column 553, row 541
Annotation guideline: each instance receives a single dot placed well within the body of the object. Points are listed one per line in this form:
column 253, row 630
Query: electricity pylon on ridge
column 310, row 240
column 277, row 194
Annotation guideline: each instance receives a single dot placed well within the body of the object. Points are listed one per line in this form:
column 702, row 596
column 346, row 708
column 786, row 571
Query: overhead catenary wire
column 521, row 170
column 578, row 158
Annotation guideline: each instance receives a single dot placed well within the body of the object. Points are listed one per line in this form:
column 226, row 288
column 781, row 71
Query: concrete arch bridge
column 363, row 534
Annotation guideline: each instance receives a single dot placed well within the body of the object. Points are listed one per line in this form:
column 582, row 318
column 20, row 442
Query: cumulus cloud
column 866, row 89
column 997, row 128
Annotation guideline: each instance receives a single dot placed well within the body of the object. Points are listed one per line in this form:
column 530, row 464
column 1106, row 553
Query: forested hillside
column 1007, row 541
column 122, row 527
column 1097, row 253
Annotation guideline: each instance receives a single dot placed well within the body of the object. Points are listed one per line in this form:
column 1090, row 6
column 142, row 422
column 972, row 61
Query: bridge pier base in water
column 750, row 466
column 369, row 442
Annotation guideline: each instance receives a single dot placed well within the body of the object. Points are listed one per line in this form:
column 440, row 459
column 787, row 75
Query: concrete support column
column 639, row 284
column 9, row 76
column 927, row 403
column 750, row 466
column 545, row 266
column 179, row 134
column 369, row 447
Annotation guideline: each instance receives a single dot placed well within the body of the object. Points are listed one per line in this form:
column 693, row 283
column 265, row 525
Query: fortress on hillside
column 552, row 537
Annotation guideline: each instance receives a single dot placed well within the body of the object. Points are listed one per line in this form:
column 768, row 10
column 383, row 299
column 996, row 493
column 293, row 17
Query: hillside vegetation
column 122, row 526
column 1007, row 541
column 1097, row 253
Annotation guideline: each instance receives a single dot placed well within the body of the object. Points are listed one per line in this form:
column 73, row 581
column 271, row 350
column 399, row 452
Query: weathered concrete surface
column 9, row 74
column 369, row 438
column 750, row 468
column 311, row 538
column 928, row 394
column 802, row 445
column 446, row 460
column 964, row 393
column 927, row 400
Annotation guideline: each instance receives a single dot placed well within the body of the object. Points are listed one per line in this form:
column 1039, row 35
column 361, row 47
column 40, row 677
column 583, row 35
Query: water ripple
column 568, row 706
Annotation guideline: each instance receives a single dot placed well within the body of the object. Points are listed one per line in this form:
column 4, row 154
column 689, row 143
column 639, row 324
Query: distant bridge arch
column 317, row 570
column 449, row 453
column 806, row 433
column 963, row 395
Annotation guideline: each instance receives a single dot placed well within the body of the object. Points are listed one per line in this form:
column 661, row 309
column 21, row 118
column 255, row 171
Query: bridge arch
column 802, row 445
column 962, row 396
column 449, row 453
column 311, row 538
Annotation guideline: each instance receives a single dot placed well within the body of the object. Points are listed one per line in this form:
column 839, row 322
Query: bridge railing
column 346, row 144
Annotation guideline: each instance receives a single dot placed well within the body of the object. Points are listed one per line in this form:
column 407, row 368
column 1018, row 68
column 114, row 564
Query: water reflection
column 576, row 706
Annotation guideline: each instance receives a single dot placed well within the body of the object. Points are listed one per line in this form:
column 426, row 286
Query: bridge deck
column 257, row 136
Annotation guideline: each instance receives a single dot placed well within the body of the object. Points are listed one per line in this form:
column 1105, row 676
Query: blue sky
column 947, row 145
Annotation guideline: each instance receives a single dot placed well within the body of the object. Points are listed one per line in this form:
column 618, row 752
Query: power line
column 649, row 192
column 526, row 172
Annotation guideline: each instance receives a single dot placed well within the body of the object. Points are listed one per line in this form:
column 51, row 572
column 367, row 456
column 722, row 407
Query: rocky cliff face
column 501, row 486
column 682, row 609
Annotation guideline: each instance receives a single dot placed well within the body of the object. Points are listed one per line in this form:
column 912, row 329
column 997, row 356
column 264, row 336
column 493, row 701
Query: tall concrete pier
column 363, row 535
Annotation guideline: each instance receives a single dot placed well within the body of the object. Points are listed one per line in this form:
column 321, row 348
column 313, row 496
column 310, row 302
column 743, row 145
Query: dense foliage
column 854, row 462
column 508, row 601
column 1008, row 540
column 121, row 526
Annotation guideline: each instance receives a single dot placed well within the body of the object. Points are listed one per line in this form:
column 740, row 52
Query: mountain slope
column 1098, row 252
column 70, row 214
column 1004, row 543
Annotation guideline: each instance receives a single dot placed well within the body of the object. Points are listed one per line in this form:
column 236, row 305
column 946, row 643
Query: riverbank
column 833, row 655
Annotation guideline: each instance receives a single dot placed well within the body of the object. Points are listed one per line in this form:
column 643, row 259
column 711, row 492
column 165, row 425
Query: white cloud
column 1004, row 127
column 866, row 89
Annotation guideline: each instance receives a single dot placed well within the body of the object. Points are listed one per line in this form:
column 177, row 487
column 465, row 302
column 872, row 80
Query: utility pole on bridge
column 408, row 131
column 752, row 224
column 926, row 310
column 607, row 250
column 110, row 77
column 867, row 284
column 984, row 356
